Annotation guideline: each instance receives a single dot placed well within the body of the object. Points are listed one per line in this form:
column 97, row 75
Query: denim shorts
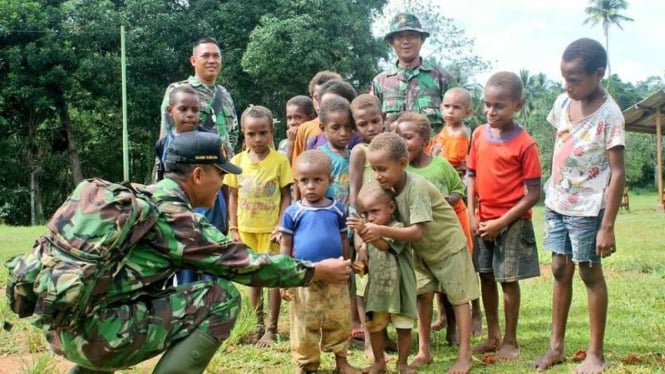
column 513, row 256
column 572, row 236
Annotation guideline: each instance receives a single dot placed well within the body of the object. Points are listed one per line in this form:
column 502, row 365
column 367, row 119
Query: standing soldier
column 411, row 84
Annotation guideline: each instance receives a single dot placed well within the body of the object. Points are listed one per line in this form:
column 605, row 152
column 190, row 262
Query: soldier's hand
column 336, row 271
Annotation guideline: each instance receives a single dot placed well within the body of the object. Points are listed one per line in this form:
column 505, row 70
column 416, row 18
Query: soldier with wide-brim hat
column 405, row 22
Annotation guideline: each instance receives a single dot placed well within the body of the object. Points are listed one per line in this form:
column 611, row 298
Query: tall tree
column 606, row 12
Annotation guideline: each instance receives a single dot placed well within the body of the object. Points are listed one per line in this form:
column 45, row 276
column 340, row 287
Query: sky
column 532, row 34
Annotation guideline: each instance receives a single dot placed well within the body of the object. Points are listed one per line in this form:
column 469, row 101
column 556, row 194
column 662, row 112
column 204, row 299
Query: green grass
column 635, row 326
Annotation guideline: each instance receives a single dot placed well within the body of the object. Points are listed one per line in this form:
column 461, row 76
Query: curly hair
column 508, row 81
column 391, row 144
column 316, row 158
column 590, row 52
column 257, row 111
column 334, row 104
column 423, row 127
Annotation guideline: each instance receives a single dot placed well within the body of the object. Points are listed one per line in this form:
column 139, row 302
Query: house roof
column 641, row 117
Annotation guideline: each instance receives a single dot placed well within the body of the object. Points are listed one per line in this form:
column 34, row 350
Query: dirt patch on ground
column 14, row 364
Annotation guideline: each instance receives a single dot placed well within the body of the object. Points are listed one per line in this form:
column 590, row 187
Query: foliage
column 607, row 13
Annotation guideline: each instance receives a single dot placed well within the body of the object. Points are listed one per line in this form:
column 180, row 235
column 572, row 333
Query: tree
column 607, row 13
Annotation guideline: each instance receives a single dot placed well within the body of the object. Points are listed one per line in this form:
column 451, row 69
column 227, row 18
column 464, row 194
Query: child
column 310, row 129
column 337, row 122
column 414, row 129
column 452, row 142
column 502, row 164
column 314, row 229
column 441, row 260
column 299, row 109
column 366, row 111
column 391, row 281
column 582, row 196
column 258, row 198
column 332, row 88
column 183, row 109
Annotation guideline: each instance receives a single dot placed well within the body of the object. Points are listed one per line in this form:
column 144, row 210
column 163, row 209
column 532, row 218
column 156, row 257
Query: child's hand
column 370, row 232
column 435, row 148
column 355, row 223
column 286, row 294
column 605, row 242
column 359, row 267
column 490, row 230
column 276, row 235
column 291, row 133
column 234, row 235
column 474, row 225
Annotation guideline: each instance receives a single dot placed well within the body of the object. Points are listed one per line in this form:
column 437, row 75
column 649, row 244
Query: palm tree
column 607, row 12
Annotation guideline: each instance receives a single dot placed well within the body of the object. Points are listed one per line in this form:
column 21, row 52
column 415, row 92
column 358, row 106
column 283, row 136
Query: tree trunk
column 32, row 157
column 72, row 150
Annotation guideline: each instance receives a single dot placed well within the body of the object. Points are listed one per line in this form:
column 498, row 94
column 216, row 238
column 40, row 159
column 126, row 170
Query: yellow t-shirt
column 259, row 190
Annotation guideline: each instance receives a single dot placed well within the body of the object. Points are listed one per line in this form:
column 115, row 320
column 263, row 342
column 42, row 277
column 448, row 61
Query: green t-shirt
column 421, row 202
column 442, row 175
column 391, row 286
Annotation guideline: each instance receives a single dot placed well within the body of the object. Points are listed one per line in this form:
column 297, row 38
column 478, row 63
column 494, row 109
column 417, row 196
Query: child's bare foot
column 439, row 324
column 592, row 364
column 254, row 337
column 476, row 325
column 376, row 368
column 421, row 360
column 344, row 367
column 549, row 359
column 508, row 352
column 267, row 339
column 406, row 369
column 462, row 366
column 487, row 346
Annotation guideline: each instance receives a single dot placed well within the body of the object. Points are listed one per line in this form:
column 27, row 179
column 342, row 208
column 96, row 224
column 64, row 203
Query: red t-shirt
column 502, row 167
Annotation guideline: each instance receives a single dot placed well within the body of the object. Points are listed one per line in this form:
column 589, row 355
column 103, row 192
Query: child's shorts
column 572, row 236
column 259, row 242
column 361, row 285
column 513, row 256
column 380, row 320
column 454, row 275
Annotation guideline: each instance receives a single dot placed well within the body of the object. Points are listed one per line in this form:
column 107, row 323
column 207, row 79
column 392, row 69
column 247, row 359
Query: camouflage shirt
column 223, row 116
column 419, row 89
column 183, row 239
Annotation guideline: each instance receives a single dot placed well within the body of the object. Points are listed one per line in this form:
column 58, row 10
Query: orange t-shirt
column 453, row 148
column 306, row 131
column 502, row 168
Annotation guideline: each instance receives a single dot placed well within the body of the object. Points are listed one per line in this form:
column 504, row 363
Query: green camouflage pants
column 121, row 336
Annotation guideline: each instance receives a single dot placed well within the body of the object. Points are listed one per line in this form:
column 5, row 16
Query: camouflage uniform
column 225, row 117
column 144, row 319
column 417, row 89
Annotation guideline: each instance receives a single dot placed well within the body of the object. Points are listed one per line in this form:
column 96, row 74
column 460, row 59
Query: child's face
column 258, row 133
column 415, row 142
column 312, row 181
column 580, row 84
column 387, row 171
column 377, row 209
column 338, row 129
column 500, row 107
column 295, row 115
column 454, row 108
column 184, row 112
column 369, row 122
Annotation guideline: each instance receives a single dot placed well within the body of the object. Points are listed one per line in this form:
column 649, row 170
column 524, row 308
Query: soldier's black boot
column 190, row 355
column 81, row 370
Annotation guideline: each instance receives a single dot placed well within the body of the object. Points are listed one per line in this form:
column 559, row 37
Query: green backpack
column 68, row 271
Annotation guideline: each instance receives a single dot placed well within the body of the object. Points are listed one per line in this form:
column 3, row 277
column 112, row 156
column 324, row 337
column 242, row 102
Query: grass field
column 634, row 343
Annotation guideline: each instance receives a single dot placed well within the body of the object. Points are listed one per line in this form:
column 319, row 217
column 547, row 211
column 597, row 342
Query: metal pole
column 659, row 159
column 125, row 133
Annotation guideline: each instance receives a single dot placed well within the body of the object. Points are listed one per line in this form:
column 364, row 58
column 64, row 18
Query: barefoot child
column 452, row 142
column 441, row 259
column 366, row 110
column 582, row 196
column 391, row 283
column 258, row 198
column 314, row 229
column 299, row 109
column 503, row 163
column 414, row 129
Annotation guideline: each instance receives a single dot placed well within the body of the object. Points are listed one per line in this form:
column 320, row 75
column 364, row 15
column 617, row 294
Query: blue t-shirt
column 317, row 231
column 339, row 189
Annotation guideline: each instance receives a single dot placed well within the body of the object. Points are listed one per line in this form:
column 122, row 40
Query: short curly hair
column 257, row 111
column 391, row 144
column 423, row 127
column 339, row 88
column 508, row 81
column 373, row 188
column 334, row 104
column 316, row 158
column 320, row 78
column 590, row 52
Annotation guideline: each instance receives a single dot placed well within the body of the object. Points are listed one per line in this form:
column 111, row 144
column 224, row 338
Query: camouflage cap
column 405, row 22
column 196, row 147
